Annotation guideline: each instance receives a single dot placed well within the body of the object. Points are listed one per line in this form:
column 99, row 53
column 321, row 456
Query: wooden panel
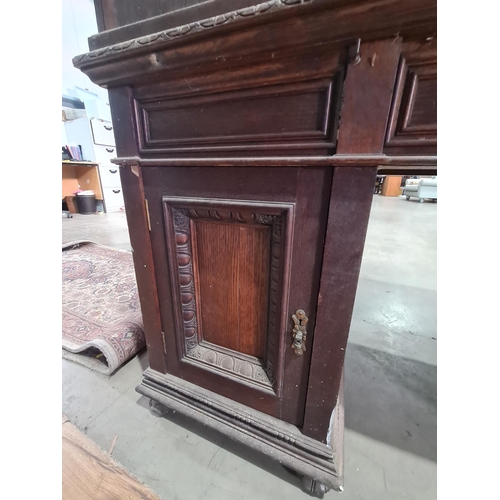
column 232, row 270
column 216, row 274
column 367, row 98
column 137, row 222
column 116, row 13
column 413, row 121
column 350, row 204
column 368, row 95
column 69, row 181
column 221, row 279
column 298, row 198
column 279, row 114
column 253, row 277
column 88, row 473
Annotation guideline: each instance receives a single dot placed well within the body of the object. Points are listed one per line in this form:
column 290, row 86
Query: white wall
column 78, row 24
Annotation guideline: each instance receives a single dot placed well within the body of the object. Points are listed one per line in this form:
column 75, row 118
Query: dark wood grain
column 255, row 118
column 159, row 14
column 367, row 103
column 350, row 204
column 338, row 160
column 413, row 121
column 133, row 194
column 255, row 137
column 259, row 37
column 297, row 274
column 367, row 98
column 120, row 101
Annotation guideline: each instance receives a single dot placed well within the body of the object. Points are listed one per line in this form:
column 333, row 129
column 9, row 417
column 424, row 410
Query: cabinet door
column 237, row 252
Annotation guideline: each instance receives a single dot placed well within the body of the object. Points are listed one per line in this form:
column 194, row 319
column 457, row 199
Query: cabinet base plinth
column 318, row 464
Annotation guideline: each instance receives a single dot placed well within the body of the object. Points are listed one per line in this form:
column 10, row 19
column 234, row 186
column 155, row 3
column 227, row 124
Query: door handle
column 109, row 150
column 108, row 128
column 113, row 171
column 299, row 332
column 116, row 191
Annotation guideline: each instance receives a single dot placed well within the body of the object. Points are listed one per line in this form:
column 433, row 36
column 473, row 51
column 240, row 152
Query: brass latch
column 299, row 332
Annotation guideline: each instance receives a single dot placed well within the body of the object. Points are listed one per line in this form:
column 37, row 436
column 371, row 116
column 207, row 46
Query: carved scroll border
column 235, row 364
column 156, row 40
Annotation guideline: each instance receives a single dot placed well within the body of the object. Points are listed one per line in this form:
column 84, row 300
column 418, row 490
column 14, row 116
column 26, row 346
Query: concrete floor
column 390, row 384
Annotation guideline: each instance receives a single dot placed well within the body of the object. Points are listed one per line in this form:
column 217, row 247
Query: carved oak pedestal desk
column 249, row 139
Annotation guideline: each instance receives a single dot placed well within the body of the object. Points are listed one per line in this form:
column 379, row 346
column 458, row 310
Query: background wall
column 78, row 23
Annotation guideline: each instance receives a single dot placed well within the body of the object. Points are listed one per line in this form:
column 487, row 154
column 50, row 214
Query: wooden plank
column 90, row 473
column 367, row 98
column 351, row 198
column 405, row 163
column 362, row 131
column 137, row 221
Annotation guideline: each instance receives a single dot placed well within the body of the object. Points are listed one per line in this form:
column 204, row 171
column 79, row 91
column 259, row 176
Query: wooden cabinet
column 249, row 142
column 239, row 268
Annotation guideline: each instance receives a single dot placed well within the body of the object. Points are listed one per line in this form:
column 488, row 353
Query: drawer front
column 110, row 176
column 250, row 112
column 113, row 197
column 293, row 114
column 102, row 132
column 104, row 154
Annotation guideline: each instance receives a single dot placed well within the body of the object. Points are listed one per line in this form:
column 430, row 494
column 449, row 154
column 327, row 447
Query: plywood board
column 90, row 473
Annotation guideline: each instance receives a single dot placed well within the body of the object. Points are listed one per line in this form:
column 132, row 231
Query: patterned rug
column 101, row 315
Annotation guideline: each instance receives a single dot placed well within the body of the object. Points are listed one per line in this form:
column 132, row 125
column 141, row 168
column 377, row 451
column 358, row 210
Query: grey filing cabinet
column 96, row 137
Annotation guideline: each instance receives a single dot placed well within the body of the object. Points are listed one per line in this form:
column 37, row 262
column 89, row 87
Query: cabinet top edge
column 363, row 18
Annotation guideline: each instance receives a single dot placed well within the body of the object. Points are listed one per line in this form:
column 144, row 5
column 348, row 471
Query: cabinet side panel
column 133, row 193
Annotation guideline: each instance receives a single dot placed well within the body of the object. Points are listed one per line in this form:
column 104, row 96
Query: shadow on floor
column 391, row 399
column 388, row 398
column 258, row 459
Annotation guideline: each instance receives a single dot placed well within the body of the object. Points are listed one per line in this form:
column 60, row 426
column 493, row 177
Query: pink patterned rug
column 101, row 315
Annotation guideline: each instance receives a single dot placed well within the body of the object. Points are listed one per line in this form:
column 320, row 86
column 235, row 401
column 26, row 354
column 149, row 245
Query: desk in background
column 82, row 175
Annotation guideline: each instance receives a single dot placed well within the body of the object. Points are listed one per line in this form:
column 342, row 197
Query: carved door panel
column 237, row 253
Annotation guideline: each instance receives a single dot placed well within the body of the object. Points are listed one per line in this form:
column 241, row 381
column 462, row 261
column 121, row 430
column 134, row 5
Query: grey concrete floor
column 390, row 384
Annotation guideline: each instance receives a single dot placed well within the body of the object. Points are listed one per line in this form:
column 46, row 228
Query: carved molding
column 247, row 369
column 275, row 438
column 155, row 40
column 241, row 366
column 295, row 439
